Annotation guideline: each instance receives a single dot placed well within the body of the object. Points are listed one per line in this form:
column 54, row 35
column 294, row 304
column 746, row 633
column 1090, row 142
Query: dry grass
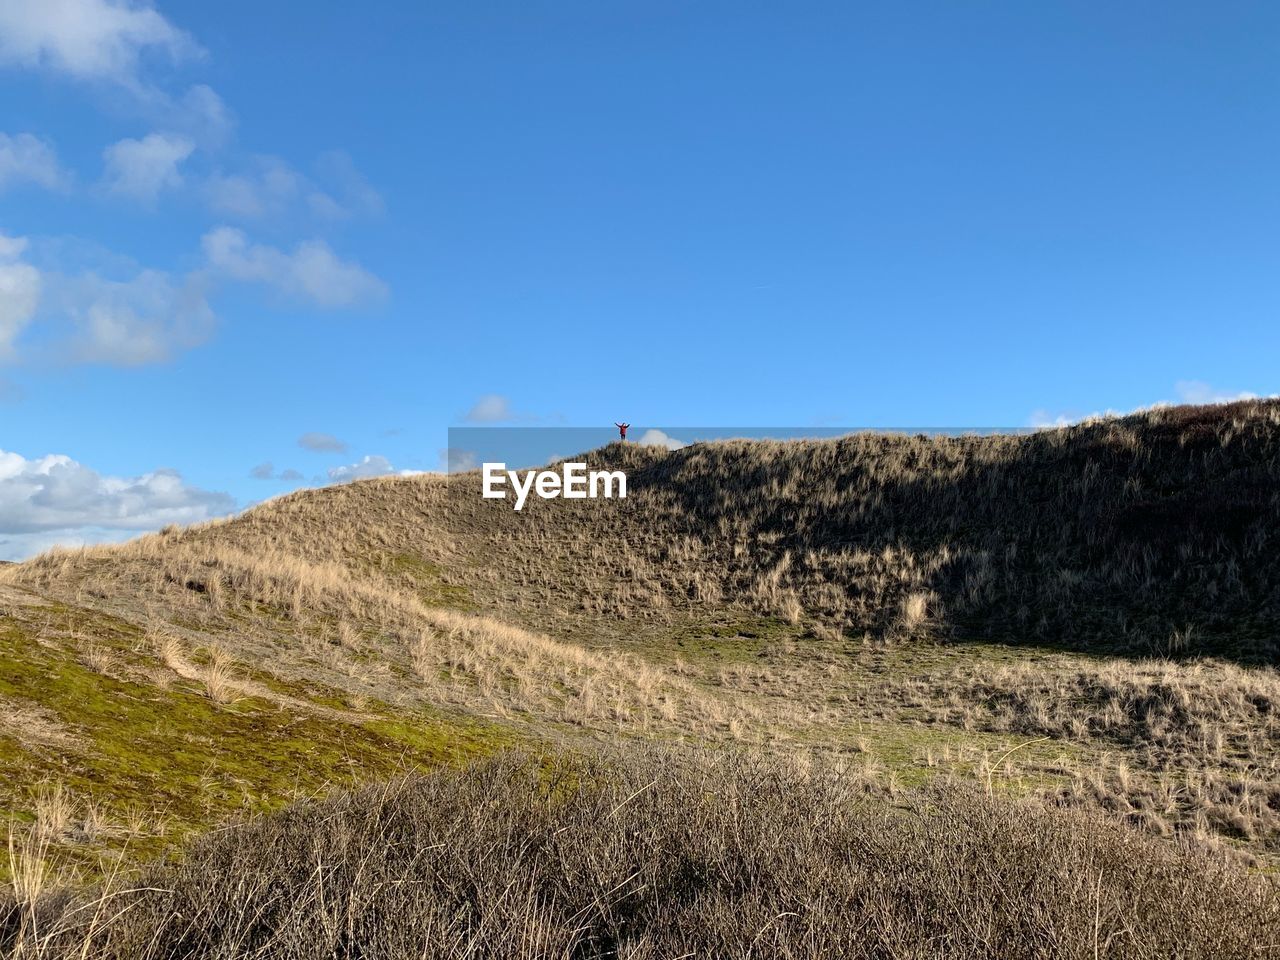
column 219, row 675
column 172, row 653
column 60, row 817
column 30, row 873
column 1173, row 746
column 1149, row 534
column 97, row 658
column 773, row 593
column 458, row 659
column 915, row 612
column 30, row 724
column 54, row 811
column 667, row 857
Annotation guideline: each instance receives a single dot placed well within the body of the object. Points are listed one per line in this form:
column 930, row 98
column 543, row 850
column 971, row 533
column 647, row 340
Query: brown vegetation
column 663, row 857
column 1090, row 616
column 1153, row 534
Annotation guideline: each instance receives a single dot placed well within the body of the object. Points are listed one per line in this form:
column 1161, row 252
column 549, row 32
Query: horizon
column 229, row 270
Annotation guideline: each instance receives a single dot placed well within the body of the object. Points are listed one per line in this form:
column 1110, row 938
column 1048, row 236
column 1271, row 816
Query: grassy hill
column 1147, row 534
column 1082, row 618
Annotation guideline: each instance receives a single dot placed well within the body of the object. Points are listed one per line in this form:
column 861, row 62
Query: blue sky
column 225, row 227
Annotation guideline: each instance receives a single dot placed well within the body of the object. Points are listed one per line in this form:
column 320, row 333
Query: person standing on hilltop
column 622, row 430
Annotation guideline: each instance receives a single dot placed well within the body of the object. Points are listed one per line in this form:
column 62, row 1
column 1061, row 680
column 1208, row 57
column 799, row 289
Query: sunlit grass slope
column 1088, row 615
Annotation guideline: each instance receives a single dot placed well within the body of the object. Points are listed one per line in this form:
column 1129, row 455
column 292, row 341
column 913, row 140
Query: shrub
column 668, row 856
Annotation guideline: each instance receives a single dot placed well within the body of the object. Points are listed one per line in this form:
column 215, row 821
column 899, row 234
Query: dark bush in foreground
column 667, row 858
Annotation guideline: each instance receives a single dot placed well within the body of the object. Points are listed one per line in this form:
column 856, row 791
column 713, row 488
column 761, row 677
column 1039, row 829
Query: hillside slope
column 1155, row 533
column 1105, row 598
column 1149, row 533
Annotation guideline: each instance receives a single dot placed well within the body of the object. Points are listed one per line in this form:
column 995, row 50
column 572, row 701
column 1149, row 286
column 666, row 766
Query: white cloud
column 346, row 192
column 490, row 408
column 20, row 286
column 20, row 546
column 1042, row 418
column 200, row 114
column 1187, row 391
column 56, row 499
column 268, row 189
column 368, row 466
column 145, row 319
column 1197, row 391
column 453, row 460
column 131, row 315
column 267, row 471
column 311, row 272
column 115, row 42
column 656, row 438
column 25, row 158
column 322, row 443
column 12, row 247
column 102, row 40
column 142, row 169
column 496, row 408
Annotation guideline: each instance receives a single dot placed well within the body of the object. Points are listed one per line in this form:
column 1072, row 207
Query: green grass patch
column 430, row 583
column 193, row 761
column 729, row 636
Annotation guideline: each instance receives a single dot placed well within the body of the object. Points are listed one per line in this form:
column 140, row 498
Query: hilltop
column 1148, row 534
column 1089, row 616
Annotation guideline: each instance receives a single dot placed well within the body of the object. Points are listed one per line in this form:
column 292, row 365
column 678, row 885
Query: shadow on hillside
column 1153, row 534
